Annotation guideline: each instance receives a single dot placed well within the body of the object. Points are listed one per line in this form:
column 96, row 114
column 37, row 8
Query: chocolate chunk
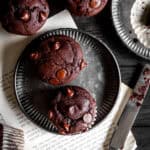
column 57, row 45
column 74, row 112
column 50, row 115
column 25, row 16
column 61, row 74
column 42, row 16
column 95, row 3
column 62, row 132
column 83, row 64
column 67, row 127
column 54, row 81
column 35, row 56
column 70, row 92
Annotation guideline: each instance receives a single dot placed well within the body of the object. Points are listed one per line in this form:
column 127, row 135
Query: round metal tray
column 101, row 78
column 121, row 10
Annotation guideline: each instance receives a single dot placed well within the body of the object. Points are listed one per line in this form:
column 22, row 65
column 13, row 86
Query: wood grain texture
column 101, row 26
column 142, row 135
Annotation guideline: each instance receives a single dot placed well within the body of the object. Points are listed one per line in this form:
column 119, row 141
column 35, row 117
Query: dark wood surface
column 101, row 26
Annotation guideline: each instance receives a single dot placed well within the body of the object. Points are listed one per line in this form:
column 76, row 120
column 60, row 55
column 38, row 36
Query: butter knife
column 131, row 109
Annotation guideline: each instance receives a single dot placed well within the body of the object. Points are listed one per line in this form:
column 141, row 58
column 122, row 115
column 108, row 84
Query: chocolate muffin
column 24, row 17
column 58, row 60
column 73, row 110
column 86, row 7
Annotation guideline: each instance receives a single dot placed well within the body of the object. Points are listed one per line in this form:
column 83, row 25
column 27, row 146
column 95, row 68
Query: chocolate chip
column 50, row 114
column 56, row 46
column 72, row 109
column 25, row 15
column 67, row 127
column 70, row 92
column 61, row 74
column 87, row 118
column 54, row 81
column 42, row 16
column 61, row 131
column 83, row 64
column 85, row 105
column 81, row 126
column 35, row 56
column 95, row 3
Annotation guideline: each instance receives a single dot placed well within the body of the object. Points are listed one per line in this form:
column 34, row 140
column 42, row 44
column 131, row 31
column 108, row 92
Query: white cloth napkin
column 36, row 138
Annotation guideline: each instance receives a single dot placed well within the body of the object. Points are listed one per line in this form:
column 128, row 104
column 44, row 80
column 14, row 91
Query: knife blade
column 131, row 109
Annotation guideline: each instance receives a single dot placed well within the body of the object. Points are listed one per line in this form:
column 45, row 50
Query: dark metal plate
column 101, row 78
column 121, row 10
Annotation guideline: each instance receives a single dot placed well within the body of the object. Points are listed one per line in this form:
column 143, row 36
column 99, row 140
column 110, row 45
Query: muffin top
column 86, row 7
column 73, row 110
column 24, row 17
column 58, row 60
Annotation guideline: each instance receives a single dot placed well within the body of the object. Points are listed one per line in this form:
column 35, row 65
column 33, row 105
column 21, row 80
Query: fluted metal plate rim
column 139, row 48
column 21, row 88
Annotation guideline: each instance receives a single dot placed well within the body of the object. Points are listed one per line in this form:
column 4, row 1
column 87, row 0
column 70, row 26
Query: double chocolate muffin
column 24, row 17
column 58, row 59
column 73, row 110
column 86, row 7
